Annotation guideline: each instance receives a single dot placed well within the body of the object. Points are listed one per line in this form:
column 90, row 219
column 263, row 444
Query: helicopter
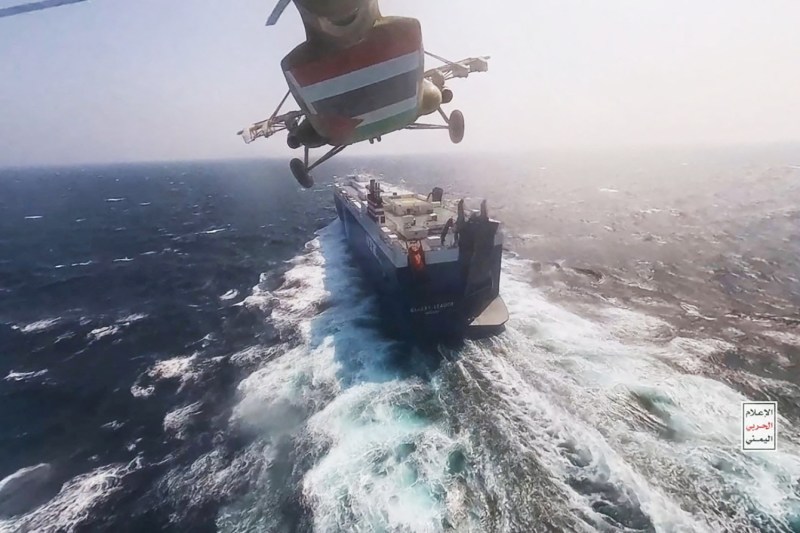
column 358, row 76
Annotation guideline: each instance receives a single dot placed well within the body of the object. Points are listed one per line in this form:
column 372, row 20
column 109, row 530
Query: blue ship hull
column 439, row 303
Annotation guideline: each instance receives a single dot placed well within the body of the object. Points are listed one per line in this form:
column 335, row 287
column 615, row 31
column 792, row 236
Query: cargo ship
column 434, row 264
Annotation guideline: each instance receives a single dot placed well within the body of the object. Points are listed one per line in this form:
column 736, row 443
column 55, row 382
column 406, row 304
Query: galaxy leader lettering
column 433, row 308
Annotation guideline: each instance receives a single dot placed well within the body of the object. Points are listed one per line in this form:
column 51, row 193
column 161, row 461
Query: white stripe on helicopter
column 388, row 111
column 362, row 77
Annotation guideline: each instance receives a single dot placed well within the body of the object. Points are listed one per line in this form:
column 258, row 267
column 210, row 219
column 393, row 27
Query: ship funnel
column 436, row 194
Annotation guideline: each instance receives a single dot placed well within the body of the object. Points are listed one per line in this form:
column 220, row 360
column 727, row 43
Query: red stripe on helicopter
column 338, row 128
column 384, row 43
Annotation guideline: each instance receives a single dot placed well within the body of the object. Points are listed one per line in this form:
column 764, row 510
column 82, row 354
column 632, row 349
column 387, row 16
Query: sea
column 190, row 346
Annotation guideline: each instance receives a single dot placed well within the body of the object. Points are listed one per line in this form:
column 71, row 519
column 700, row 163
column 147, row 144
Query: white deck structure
column 407, row 217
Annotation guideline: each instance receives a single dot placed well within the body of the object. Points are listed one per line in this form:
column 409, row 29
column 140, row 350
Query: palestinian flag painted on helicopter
column 366, row 90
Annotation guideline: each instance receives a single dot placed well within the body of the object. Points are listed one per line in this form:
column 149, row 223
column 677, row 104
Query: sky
column 145, row 80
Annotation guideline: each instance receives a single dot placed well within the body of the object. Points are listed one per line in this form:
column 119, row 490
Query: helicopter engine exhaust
column 305, row 135
column 432, row 98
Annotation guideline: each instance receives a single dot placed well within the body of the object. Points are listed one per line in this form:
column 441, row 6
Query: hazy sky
column 128, row 80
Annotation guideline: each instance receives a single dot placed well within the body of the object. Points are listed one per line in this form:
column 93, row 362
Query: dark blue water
column 189, row 346
column 126, row 267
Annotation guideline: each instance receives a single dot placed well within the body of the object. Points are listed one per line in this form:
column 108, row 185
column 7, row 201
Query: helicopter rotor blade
column 277, row 12
column 34, row 6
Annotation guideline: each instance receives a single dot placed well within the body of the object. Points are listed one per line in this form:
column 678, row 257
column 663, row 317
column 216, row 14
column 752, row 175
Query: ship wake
column 560, row 423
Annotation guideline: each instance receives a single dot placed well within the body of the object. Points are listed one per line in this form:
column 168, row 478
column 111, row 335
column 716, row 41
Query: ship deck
column 407, row 216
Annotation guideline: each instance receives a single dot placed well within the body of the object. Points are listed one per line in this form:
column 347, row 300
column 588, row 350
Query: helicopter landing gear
column 300, row 173
column 455, row 126
column 301, row 170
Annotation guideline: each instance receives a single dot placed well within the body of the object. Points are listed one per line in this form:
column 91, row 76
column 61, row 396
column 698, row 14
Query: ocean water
column 190, row 347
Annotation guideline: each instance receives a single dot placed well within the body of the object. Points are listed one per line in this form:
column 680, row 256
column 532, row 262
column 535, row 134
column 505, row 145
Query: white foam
column 113, row 200
column 181, row 368
column 625, row 391
column 335, row 383
column 74, row 503
column 24, row 376
column 693, row 311
column 99, row 333
column 559, row 367
column 40, row 325
column 178, row 367
column 122, row 260
column 386, row 462
column 213, row 231
column 175, row 421
column 137, row 391
column 34, row 217
column 130, row 319
column 783, row 336
column 13, row 481
column 109, row 331
column 230, row 295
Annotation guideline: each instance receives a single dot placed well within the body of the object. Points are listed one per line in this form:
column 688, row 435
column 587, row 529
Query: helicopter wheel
column 447, row 96
column 455, row 126
column 300, row 173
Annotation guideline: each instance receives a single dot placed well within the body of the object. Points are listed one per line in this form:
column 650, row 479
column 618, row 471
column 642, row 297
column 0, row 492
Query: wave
column 334, row 389
column 180, row 368
column 72, row 507
column 130, row 319
column 113, row 329
column 24, row 376
column 603, row 406
column 105, row 331
column 177, row 420
column 40, row 325
column 561, row 423
column 230, row 295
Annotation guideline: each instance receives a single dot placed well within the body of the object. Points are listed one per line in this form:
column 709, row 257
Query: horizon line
column 469, row 155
